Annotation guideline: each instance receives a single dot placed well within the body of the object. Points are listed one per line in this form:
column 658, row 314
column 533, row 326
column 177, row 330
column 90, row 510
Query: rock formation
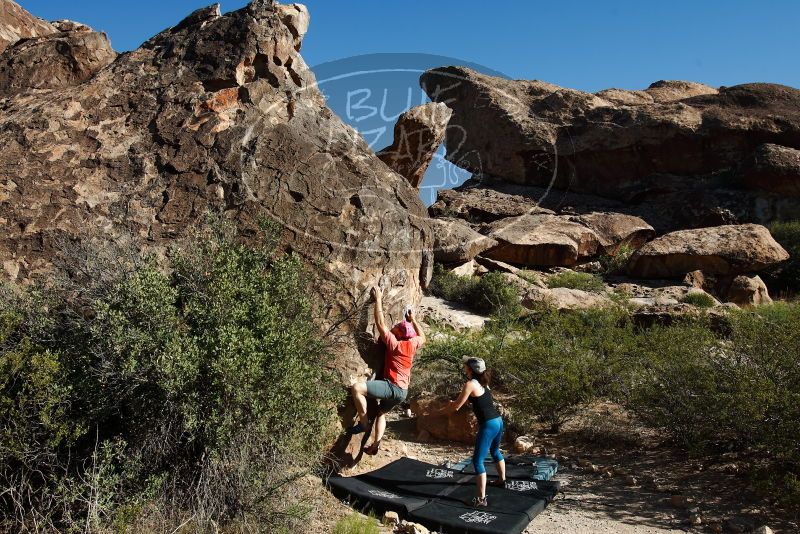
column 417, row 135
column 218, row 113
column 722, row 250
column 675, row 140
column 455, row 242
column 69, row 56
column 16, row 24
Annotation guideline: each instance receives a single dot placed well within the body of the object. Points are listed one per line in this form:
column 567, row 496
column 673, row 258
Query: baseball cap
column 476, row 364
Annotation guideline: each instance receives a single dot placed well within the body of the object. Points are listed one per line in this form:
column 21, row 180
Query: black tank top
column 483, row 406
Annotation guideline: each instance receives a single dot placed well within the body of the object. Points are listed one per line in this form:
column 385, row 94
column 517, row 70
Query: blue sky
column 588, row 45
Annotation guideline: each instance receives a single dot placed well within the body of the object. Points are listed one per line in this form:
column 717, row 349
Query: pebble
column 391, row 519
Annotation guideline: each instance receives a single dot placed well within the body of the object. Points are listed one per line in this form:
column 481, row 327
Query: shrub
column 170, row 390
column 576, row 280
column 356, row 524
column 489, row 294
column 449, row 286
column 785, row 278
column 615, row 263
column 699, row 299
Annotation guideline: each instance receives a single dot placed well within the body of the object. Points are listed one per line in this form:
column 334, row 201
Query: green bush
column 170, row 390
column 785, row 278
column 615, row 263
column 356, row 524
column 489, row 294
column 698, row 299
column 576, row 280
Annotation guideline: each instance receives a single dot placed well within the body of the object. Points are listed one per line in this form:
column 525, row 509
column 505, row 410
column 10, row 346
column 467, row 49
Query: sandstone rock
column 391, row 519
column 460, row 426
column 773, row 168
column 748, row 291
column 562, row 298
column 417, row 136
column 615, row 229
column 497, row 266
column 454, row 241
column 451, row 314
column 296, row 18
column 16, row 24
column 541, row 240
column 725, row 250
column 54, row 61
column 219, row 113
column 616, row 144
column 482, row 205
column 466, row 269
column 524, row 444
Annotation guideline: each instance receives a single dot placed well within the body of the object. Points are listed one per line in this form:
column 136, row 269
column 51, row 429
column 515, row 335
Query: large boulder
column 16, row 24
column 460, row 426
column 563, row 298
column 721, row 250
column 482, row 204
column 417, row 135
column 58, row 60
column 747, row 291
column 541, row 240
column 455, row 242
column 675, row 138
column 219, row 113
column 616, row 229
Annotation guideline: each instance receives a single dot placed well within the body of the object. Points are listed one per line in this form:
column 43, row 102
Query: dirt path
column 604, row 501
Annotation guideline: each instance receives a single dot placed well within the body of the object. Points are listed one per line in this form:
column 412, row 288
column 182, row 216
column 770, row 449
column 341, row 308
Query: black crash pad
column 438, row 497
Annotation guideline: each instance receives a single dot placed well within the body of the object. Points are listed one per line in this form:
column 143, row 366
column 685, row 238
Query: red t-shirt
column 399, row 357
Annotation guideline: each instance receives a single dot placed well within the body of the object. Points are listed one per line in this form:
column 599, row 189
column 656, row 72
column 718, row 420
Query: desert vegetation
column 138, row 396
column 706, row 389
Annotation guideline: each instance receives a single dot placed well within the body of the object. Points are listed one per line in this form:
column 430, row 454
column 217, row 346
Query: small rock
column 608, row 474
column 679, row 501
column 523, row 444
column 716, row 528
column 763, row 530
column 583, row 462
column 594, row 469
column 391, row 519
column 695, row 520
column 630, row 480
column 409, row 413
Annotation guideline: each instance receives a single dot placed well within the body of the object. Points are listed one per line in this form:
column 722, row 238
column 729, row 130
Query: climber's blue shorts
column 488, row 440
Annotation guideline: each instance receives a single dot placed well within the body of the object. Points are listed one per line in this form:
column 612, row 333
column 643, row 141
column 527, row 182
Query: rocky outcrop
column 721, row 250
column 675, row 138
column 417, row 135
column 482, row 205
column 69, row 56
column 773, row 168
column 541, row 240
column 562, row 298
column 455, row 242
column 450, row 314
column 16, row 24
column 218, row 113
column 616, row 229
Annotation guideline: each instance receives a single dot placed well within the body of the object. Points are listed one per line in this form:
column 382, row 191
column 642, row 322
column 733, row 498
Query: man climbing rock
column 402, row 343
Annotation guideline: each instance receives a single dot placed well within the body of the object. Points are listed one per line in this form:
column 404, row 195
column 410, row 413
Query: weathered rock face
column 455, row 242
column 58, row 60
column 541, row 240
column 417, row 135
column 563, row 298
column 773, row 168
column 217, row 113
column 16, row 24
column 675, row 138
column 721, row 250
column 615, row 229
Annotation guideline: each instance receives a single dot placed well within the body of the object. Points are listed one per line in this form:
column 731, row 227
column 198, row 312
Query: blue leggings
column 489, row 435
